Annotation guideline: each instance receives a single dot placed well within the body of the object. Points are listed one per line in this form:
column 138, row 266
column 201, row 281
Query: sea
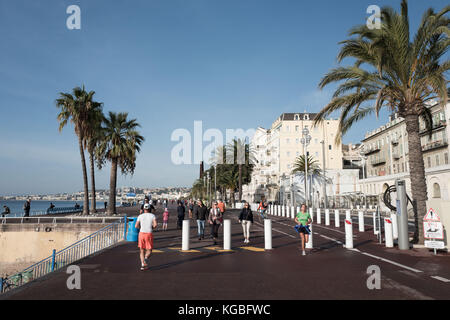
column 16, row 206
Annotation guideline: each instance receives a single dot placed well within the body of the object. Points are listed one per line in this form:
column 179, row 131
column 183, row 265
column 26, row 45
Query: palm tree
column 93, row 138
column 314, row 170
column 121, row 141
column 401, row 74
column 243, row 155
column 76, row 108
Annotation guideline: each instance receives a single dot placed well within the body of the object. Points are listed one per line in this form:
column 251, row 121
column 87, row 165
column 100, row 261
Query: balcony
column 378, row 161
column 395, row 156
column 394, row 142
column 371, row 150
column 436, row 126
column 435, row 145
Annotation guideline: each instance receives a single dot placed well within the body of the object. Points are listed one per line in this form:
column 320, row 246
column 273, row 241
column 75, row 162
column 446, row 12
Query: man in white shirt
column 146, row 222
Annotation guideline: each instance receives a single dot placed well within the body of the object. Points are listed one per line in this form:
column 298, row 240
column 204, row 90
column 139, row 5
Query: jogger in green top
column 303, row 218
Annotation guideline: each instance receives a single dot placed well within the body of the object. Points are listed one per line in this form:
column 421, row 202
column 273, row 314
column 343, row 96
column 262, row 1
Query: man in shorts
column 146, row 222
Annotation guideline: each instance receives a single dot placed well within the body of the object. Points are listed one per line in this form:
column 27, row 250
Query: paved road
column 329, row 271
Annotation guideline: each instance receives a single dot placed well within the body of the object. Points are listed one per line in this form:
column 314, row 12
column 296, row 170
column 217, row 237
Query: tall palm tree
column 242, row 154
column 93, row 138
column 395, row 71
column 76, row 108
column 121, row 141
column 315, row 173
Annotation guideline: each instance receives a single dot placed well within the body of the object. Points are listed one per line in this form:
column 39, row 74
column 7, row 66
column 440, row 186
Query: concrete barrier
column 348, row 234
column 227, row 234
column 268, row 234
column 388, row 234
column 309, row 244
column 337, row 218
column 327, row 217
column 361, row 221
column 185, row 235
column 394, row 225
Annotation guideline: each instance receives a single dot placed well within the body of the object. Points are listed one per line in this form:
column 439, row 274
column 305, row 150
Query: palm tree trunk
column 240, row 182
column 93, row 200
column 112, row 187
column 417, row 171
column 85, row 178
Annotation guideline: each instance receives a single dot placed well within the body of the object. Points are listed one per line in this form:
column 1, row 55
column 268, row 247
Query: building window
column 436, row 190
column 437, row 160
column 296, row 118
column 329, row 147
column 306, row 117
column 429, row 162
column 296, row 127
column 445, row 158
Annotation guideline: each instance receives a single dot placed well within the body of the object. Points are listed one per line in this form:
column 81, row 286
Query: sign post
column 433, row 231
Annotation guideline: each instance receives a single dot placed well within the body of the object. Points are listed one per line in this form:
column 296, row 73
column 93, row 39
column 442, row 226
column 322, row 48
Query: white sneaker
column 303, row 253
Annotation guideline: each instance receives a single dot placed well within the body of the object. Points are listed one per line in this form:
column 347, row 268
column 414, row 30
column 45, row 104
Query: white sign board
column 435, row 244
column 431, row 216
column 433, row 230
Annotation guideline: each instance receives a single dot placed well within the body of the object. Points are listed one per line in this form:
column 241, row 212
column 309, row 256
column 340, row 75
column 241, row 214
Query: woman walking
column 215, row 219
column 303, row 220
column 246, row 219
column 165, row 219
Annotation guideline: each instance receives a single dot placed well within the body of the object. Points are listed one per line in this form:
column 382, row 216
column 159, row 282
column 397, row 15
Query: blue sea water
column 16, row 206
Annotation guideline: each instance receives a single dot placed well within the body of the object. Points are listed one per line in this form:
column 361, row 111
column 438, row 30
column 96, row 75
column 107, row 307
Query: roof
column 291, row 116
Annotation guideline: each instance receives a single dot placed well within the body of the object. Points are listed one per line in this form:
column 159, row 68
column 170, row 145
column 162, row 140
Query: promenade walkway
column 330, row 271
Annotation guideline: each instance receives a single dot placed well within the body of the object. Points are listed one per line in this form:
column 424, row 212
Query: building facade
column 387, row 154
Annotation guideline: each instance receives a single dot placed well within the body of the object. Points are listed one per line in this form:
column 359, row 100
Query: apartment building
column 387, row 152
column 277, row 148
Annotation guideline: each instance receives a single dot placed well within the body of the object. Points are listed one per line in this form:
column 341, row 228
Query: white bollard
column 361, row 221
column 288, row 213
column 337, row 218
column 388, row 235
column 348, row 215
column 227, row 234
column 357, row 207
column 348, row 234
column 268, row 234
column 292, row 212
column 298, row 210
column 283, row 212
column 311, row 213
column 185, row 235
column 319, row 216
column 374, row 217
column 327, row 217
column 394, row 225
column 309, row 244
column 278, row 210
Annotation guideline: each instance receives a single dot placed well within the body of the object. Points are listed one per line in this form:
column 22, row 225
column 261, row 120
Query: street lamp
column 305, row 140
column 363, row 157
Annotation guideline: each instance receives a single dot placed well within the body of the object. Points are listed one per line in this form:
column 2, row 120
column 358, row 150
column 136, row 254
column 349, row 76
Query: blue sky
column 229, row 63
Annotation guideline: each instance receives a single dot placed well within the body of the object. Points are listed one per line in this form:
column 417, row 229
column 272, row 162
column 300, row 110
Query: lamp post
column 215, row 182
column 305, row 140
column 207, row 186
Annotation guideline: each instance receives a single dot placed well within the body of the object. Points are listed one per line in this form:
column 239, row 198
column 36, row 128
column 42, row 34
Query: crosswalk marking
column 254, row 249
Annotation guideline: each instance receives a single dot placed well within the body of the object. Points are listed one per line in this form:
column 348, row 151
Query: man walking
column 26, row 208
column 222, row 207
column 146, row 222
column 181, row 211
column 200, row 212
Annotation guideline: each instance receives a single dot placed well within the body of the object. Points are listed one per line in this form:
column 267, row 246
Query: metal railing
column 56, row 220
column 87, row 246
column 49, row 212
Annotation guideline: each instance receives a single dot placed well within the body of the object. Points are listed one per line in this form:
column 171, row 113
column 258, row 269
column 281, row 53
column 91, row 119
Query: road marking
column 255, row 249
column 391, row 262
column 441, row 279
column 279, row 231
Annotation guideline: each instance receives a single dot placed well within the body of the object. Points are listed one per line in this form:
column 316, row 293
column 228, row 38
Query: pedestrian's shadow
column 180, row 262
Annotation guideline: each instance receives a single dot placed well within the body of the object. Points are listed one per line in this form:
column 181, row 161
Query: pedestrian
column 165, row 203
column 165, row 219
column 222, row 207
column 27, row 208
column 303, row 220
column 6, row 211
column 262, row 208
column 181, row 212
column 106, row 205
column 200, row 213
column 191, row 208
column 246, row 219
column 215, row 220
column 149, row 202
column 146, row 223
